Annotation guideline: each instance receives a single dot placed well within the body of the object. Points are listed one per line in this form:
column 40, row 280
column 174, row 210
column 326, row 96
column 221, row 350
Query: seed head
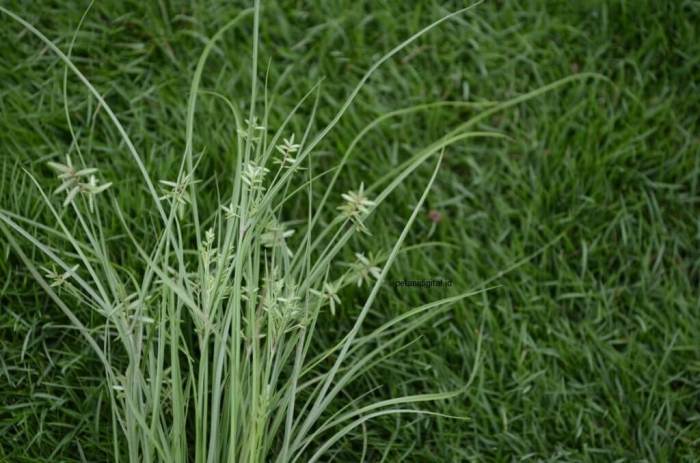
column 57, row 279
column 253, row 127
column 276, row 235
column 286, row 149
column 364, row 268
column 356, row 207
column 330, row 294
column 435, row 216
column 231, row 211
column 253, row 175
column 73, row 181
column 178, row 192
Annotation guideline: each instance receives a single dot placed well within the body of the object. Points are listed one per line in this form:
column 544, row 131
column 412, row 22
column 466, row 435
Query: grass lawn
column 578, row 229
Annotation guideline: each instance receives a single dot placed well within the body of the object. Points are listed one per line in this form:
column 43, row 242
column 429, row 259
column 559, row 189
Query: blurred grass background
column 585, row 221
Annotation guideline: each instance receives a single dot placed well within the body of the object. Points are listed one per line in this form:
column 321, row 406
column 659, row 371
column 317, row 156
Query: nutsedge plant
column 207, row 350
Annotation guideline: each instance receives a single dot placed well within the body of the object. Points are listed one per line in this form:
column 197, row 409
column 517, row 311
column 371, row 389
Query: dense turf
column 583, row 223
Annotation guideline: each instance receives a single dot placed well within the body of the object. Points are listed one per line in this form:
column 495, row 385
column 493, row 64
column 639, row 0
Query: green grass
column 583, row 223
